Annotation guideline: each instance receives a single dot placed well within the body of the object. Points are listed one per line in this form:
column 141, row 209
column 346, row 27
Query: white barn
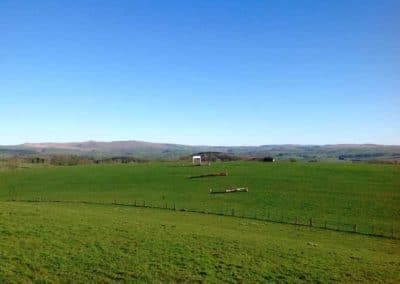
column 196, row 160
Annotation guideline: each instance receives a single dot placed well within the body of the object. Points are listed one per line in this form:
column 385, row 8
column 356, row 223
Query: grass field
column 43, row 242
column 340, row 194
column 64, row 241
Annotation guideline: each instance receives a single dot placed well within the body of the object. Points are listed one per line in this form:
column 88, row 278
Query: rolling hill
column 150, row 150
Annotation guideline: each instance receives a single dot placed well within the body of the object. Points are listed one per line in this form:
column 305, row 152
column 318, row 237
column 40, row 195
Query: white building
column 196, row 160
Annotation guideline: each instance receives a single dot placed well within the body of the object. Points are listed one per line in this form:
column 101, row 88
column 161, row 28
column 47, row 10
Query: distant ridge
column 151, row 150
column 96, row 145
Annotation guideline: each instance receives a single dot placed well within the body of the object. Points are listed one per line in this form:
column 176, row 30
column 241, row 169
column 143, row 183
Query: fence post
column 355, row 228
column 233, row 212
column 174, row 206
column 311, row 222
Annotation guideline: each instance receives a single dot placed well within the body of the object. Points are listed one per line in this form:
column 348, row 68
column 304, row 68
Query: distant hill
column 150, row 150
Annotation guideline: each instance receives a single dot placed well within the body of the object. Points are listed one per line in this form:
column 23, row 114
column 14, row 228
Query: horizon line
column 195, row 145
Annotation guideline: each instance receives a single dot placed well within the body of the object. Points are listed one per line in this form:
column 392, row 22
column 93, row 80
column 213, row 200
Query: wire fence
column 368, row 230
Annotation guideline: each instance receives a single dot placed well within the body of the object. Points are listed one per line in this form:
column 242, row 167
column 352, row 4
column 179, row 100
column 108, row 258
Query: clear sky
column 200, row 72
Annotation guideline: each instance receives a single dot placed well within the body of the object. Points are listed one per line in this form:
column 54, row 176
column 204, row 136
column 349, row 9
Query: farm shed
column 196, row 160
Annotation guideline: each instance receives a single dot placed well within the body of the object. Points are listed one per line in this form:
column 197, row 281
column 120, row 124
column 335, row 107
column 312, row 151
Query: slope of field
column 339, row 194
column 61, row 242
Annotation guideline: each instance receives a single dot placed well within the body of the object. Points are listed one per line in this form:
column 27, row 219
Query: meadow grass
column 340, row 194
column 46, row 242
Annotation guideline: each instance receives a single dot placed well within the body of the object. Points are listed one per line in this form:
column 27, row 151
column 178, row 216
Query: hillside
column 53, row 243
column 299, row 222
column 150, row 150
column 341, row 194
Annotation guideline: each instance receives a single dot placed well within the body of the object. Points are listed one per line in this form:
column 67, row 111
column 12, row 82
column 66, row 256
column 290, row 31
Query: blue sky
column 200, row 72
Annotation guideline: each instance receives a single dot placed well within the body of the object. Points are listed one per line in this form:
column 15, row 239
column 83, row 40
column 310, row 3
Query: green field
column 43, row 242
column 340, row 194
column 88, row 242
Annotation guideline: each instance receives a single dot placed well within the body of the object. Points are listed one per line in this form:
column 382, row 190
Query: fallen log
column 230, row 190
column 210, row 175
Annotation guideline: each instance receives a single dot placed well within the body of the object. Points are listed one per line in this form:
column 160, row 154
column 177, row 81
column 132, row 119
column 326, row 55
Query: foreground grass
column 341, row 194
column 80, row 243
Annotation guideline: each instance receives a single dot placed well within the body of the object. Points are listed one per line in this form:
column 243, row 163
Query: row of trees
column 65, row 160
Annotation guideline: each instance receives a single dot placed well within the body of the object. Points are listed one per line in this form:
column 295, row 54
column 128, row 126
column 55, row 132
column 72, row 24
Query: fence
column 369, row 230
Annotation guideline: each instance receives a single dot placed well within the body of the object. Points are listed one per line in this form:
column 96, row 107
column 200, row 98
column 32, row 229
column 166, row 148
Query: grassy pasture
column 43, row 242
column 362, row 194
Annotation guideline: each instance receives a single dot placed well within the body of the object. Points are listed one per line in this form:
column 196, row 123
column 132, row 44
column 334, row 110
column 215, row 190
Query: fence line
column 230, row 213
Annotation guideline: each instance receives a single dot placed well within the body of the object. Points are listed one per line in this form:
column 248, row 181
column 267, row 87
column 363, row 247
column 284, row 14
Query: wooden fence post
column 355, row 228
column 311, row 222
column 174, row 206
